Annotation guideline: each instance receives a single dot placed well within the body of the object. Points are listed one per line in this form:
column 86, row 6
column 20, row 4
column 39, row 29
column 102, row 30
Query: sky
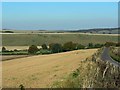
column 59, row 15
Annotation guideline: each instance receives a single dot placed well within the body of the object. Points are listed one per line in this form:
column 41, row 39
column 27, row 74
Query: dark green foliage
column 44, row 51
column 108, row 44
column 44, row 46
column 22, row 87
column 15, row 50
column 7, row 31
column 3, row 49
column 69, row 46
column 76, row 73
column 98, row 45
column 79, row 46
column 55, row 47
column 32, row 49
column 90, row 45
column 118, row 44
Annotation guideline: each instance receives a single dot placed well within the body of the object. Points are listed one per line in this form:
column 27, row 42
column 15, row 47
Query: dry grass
column 42, row 70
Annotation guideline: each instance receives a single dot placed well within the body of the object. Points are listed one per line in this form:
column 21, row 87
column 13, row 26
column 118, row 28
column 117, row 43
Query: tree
column 98, row 45
column 103, row 32
column 118, row 44
column 3, row 49
column 55, row 47
column 108, row 44
column 79, row 46
column 8, row 32
column 69, row 46
column 22, row 87
column 44, row 46
column 32, row 49
column 90, row 45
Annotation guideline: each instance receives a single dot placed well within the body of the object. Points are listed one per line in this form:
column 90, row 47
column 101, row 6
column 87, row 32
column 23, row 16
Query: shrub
column 3, row 49
column 22, row 87
column 98, row 45
column 90, row 45
column 69, row 46
column 15, row 50
column 108, row 44
column 44, row 51
column 32, row 49
column 79, row 46
column 118, row 44
column 8, row 32
column 55, row 47
column 44, row 46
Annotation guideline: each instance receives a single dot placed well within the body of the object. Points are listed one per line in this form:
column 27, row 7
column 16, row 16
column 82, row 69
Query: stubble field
column 42, row 70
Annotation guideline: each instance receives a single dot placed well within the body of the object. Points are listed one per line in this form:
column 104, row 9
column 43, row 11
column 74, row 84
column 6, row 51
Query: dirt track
column 42, row 70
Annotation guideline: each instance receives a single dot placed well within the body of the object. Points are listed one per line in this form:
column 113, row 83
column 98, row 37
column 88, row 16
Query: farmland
column 11, row 57
column 42, row 70
column 39, row 39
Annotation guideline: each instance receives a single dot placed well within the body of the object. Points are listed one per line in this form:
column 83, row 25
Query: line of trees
column 108, row 44
column 57, row 47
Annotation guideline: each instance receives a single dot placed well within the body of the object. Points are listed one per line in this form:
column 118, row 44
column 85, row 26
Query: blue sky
column 59, row 15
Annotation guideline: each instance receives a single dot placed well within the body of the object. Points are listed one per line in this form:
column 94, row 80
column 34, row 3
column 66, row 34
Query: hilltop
column 100, row 31
column 94, row 31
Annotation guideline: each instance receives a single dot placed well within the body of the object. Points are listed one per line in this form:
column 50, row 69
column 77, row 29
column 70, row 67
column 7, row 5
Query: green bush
column 90, row 45
column 44, row 51
column 55, row 47
column 98, row 45
column 79, row 46
column 3, row 49
column 8, row 32
column 69, row 46
column 44, row 46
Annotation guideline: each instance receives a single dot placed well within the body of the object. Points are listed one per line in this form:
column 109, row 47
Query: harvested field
column 42, row 70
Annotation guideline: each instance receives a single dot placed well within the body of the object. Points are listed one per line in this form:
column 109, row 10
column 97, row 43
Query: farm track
column 42, row 70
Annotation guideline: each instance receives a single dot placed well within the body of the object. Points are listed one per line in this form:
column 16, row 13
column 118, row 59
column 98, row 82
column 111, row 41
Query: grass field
column 39, row 39
column 42, row 70
column 18, row 47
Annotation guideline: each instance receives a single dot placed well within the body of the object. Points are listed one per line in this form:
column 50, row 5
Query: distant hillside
column 100, row 31
column 39, row 39
column 94, row 31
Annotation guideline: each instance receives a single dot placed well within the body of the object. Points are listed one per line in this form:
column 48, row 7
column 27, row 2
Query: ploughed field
column 42, row 70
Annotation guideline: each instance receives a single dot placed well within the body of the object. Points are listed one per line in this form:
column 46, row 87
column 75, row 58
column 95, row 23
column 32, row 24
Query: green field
column 39, row 39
